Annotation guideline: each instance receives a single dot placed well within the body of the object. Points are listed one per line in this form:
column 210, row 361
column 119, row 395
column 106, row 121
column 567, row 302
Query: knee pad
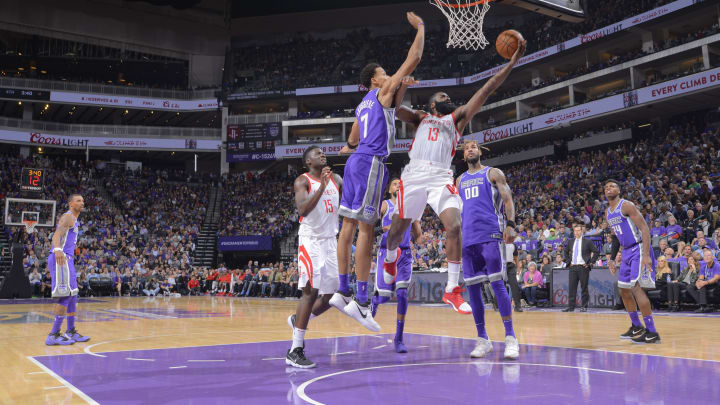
column 72, row 304
column 402, row 299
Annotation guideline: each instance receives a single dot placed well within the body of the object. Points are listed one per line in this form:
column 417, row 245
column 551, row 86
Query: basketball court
column 232, row 350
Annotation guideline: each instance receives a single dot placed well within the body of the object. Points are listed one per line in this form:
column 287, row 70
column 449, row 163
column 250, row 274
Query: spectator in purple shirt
column 707, row 280
column 673, row 230
column 658, row 230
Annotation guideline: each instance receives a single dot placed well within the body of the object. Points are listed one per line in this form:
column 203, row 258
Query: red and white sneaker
column 390, row 269
column 455, row 300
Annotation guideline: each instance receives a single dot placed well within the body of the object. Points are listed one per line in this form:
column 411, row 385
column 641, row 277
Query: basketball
column 507, row 43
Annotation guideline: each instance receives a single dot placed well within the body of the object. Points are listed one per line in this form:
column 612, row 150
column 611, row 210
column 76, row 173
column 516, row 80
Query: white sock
column 312, row 315
column 391, row 256
column 298, row 338
column 453, row 276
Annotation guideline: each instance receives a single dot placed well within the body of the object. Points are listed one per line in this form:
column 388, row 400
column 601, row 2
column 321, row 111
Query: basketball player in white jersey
column 428, row 178
column 317, row 197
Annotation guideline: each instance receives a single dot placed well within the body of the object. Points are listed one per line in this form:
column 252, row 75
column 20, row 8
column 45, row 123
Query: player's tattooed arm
column 383, row 210
column 66, row 222
column 353, row 139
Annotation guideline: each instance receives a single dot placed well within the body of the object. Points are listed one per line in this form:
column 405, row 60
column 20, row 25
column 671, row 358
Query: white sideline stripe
column 131, row 358
column 178, row 367
column 54, row 388
column 204, row 360
column 37, row 372
column 338, row 354
column 65, row 383
column 378, row 347
column 140, row 314
column 275, row 358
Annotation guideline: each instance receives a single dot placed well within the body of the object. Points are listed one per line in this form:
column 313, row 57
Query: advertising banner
column 101, row 142
column 133, row 102
column 289, row 151
column 244, row 243
column 671, row 88
column 601, row 288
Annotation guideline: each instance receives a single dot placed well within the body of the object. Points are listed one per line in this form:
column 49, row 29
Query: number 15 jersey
column 323, row 220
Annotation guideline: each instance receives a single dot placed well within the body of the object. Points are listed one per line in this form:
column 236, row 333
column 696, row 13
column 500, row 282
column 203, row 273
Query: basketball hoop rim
column 29, row 225
column 443, row 4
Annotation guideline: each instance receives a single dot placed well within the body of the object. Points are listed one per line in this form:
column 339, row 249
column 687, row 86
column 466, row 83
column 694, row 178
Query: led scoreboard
column 32, row 179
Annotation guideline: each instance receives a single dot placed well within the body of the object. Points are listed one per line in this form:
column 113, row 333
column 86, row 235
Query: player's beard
column 445, row 107
column 394, row 194
column 473, row 160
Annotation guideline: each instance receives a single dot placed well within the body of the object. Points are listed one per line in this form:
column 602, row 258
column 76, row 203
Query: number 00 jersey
column 435, row 140
column 323, row 220
column 483, row 211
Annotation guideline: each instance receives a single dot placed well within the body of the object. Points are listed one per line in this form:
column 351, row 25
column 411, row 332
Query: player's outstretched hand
column 522, row 46
column 408, row 81
column 413, row 19
column 325, row 176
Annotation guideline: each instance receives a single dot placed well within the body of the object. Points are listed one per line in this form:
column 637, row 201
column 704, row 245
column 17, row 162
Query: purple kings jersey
column 483, row 211
column 627, row 233
column 387, row 220
column 69, row 240
column 377, row 126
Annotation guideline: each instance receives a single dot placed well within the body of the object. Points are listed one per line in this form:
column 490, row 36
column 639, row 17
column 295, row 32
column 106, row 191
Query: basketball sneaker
column 456, row 301
column 390, row 269
column 361, row 313
column 291, row 321
column 512, row 348
column 482, row 348
column 400, row 346
column 57, row 339
column 633, row 332
column 296, row 358
column 74, row 335
column 647, row 337
column 340, row 300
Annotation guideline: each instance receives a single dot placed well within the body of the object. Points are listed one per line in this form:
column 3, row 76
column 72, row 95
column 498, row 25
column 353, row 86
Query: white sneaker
column 340, row 301
column 512, row 348
column 363, row 315
column 482, row 347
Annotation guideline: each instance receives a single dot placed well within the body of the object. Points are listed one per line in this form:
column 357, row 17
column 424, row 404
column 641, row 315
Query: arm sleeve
column 615, row 247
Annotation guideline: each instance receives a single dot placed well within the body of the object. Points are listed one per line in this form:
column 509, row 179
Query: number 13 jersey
column 323, row 220
column 435, row 140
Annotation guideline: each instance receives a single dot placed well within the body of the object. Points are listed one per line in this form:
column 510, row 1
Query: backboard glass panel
column 568, row 10
column 14, row 208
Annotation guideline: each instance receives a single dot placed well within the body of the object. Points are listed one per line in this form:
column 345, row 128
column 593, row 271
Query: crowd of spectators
column 309, row 62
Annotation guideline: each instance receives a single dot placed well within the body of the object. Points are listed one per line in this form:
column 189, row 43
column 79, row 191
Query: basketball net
column 29, row 226
column 466, row 22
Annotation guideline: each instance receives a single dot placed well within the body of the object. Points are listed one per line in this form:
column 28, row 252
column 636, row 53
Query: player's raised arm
column 413, row 59
column 465, row 113
column 304, row 201
column 383, row 210
column 404, row 113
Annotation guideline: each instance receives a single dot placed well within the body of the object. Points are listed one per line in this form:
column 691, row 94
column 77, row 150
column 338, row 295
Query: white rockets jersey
column 435, row 140
column 323, row 220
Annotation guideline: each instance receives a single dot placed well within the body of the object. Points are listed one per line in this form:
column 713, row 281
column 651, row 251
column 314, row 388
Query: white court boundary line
column 301, row 389
column 88, row 350
column 577, row 348
column 62, row 381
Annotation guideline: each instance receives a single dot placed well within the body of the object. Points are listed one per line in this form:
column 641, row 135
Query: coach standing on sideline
column 580, row 254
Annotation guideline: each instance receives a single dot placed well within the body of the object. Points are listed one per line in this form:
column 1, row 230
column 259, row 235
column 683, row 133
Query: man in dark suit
column 580, row 255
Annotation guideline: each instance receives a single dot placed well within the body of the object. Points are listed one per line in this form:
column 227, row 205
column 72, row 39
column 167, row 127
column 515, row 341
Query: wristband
column 352, row 146
column 421, row 23
column 511, row 224
column 56, row 249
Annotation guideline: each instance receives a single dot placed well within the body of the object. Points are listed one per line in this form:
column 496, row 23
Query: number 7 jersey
column 323, row 220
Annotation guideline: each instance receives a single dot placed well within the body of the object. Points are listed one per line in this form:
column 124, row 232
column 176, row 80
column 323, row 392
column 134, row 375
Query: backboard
column 568, row 10
column 15, row 207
